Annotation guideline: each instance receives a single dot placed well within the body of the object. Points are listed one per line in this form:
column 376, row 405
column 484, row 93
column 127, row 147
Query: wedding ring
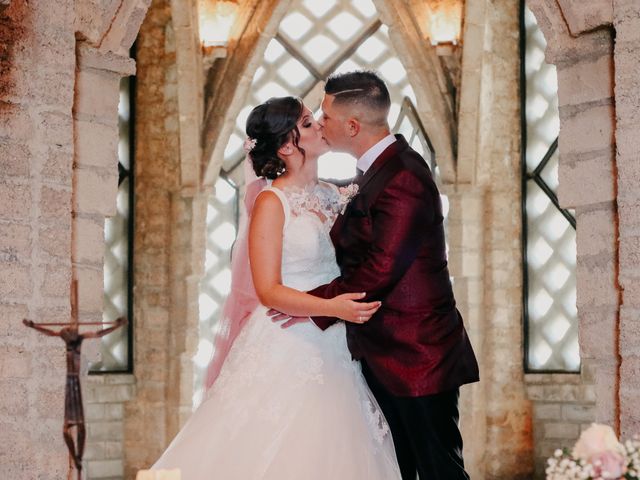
column 360, row 319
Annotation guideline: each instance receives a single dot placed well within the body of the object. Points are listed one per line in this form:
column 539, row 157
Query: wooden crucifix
column 73, row 410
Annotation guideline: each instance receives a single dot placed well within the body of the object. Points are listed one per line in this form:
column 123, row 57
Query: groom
column 390, row 243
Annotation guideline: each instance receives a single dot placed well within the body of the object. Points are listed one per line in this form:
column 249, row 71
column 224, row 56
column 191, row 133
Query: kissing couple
column 358, row 376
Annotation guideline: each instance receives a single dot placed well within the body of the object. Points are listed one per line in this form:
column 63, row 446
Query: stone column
column 583, row 57
column 627, row 94
column 587, row 179
column 485, row 241
column 466, row 222
column 189, row 211
column 95, row 113
column 157, row 175
column 170, row 230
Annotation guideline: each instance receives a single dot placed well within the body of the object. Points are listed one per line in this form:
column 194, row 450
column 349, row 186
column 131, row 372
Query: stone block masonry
column 626, row 19
column 563, row 406
column 55, row 191
column 105, row 397
column 35, row 241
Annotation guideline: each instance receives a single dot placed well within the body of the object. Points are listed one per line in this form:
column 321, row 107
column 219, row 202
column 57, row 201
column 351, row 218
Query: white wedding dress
column 289, row 404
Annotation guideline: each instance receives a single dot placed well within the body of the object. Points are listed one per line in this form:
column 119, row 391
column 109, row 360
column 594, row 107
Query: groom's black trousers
column 425, row 432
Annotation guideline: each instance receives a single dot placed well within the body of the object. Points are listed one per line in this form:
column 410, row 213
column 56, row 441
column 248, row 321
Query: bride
column 286, row 403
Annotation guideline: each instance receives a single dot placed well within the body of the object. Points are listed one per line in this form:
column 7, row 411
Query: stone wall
column 36, row 153
column 58, row 151
column 563, row 406
column 104, row 398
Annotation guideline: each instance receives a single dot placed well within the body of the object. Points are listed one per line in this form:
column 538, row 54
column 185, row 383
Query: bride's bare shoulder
column 267, row 198
column 268, row 203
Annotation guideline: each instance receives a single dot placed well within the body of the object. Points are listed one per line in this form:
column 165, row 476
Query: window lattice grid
column 115, row 355
column 541, row 101
column 222, row 221
column 550, row 244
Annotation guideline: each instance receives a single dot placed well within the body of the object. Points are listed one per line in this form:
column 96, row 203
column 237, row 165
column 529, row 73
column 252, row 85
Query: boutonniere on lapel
column 346, row 195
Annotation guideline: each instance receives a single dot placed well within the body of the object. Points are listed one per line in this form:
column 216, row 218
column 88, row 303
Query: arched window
column 549, row 236
column 314, row 39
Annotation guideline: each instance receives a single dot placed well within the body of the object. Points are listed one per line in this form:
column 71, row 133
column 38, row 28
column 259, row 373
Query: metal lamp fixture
column 216, row 21
column 444, row 24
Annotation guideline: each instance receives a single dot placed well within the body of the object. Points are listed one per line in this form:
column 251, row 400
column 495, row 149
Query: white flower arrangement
column 597, row 455
column 346, row 195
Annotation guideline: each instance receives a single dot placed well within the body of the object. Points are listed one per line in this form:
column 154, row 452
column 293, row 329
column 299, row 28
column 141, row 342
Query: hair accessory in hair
column 249, row 144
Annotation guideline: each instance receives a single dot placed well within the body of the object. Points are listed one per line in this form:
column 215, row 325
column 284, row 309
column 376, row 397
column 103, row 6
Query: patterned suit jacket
column 390, row 244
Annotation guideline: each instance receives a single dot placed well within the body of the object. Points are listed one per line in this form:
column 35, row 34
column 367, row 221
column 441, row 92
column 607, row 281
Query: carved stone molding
column 110, row 25
column 583, row 16
column 90, row 57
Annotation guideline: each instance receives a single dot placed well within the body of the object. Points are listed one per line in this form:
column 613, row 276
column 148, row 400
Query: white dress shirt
column 370, row 156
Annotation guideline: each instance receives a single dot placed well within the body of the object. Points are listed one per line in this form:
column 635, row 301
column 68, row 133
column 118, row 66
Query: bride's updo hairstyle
column 271, row 125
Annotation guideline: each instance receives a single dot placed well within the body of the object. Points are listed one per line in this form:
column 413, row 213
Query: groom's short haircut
column 361, row 88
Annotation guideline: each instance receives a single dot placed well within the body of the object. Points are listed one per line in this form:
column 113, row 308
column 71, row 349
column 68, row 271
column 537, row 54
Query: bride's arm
column 265, row 256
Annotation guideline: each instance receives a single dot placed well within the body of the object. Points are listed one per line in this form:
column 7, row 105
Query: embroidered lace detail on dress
column 324, row 200
column 377, row 422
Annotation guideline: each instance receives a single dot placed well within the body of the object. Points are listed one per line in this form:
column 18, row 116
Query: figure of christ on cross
column 73, row 410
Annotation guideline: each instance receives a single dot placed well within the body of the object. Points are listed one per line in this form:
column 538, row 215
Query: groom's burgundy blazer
column 390, row 244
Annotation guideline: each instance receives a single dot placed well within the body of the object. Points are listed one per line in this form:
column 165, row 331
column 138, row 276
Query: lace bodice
column 308, row 256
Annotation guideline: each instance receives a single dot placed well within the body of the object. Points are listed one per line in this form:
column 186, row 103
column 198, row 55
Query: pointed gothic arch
column 229, row 83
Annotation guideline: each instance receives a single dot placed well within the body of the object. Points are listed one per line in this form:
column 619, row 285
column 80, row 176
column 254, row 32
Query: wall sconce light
column 444, row 23
column 216, row 20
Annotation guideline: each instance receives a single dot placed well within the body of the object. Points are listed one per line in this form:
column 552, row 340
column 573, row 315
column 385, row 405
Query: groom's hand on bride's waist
column 288, row 320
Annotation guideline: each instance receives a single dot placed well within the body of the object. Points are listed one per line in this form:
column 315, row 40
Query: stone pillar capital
column 583, row 16
column 573, row 30
column 91, row 57
column 109, row 26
